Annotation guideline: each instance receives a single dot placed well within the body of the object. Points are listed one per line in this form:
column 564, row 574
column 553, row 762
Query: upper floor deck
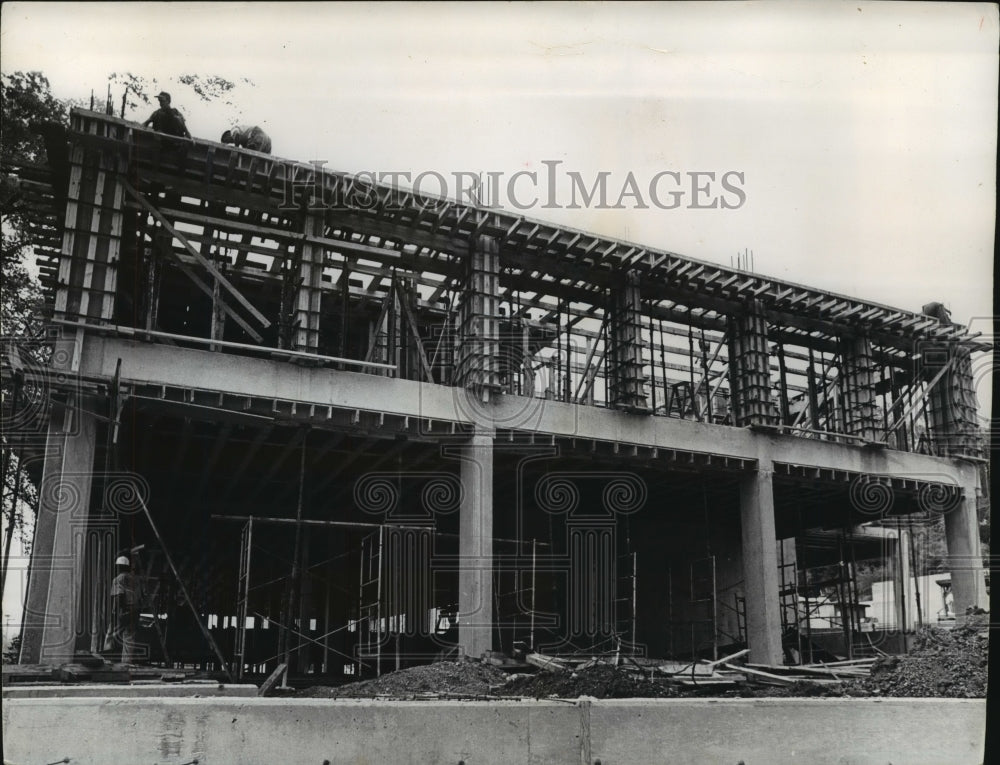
column 202, row 244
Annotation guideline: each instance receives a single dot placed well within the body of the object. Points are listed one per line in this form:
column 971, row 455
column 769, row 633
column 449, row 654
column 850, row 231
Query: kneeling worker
column 248, row 137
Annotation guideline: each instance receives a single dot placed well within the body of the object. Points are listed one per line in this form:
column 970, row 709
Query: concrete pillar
column 903, row 602
column 961, row 528
column 56, row 570
column 760, row 567
column 475, row 547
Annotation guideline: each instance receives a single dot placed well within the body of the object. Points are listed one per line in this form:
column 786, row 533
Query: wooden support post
column 294, row 579
column 310, row 287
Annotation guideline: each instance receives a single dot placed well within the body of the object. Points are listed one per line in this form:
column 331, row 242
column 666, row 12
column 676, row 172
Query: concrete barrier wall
column 789, row 731
column 107, row 731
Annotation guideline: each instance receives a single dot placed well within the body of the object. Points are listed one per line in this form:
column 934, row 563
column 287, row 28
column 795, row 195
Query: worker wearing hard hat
column 125, row 599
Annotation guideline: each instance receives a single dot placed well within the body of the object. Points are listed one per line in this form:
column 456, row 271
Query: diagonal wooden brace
column 244, row 324
column 207, row 264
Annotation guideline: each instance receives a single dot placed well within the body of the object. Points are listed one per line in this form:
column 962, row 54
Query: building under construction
column 346, row 427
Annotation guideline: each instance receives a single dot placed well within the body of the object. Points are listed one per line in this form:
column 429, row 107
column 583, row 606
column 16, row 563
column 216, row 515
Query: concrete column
column 760, row 567
column 902, row 586
column 961, row 528
column 57, row 557
column 475, row 547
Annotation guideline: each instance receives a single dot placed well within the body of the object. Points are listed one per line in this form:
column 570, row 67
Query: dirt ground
column 447, row 678
column 942, row 663
column 601, row 682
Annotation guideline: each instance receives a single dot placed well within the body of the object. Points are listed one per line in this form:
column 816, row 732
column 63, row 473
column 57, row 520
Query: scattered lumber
column 813, row 672
column 548, row 663
column 778, row 679
column 726, row 659
column 268, row 685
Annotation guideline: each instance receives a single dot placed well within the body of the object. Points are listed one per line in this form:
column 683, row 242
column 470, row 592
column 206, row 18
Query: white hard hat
column 122, row 561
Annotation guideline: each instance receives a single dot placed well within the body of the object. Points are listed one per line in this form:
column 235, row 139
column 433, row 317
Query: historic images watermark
column 554, row 188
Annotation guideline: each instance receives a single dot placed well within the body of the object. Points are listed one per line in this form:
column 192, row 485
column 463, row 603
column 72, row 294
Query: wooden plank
column 272, row 680
column 726, row 659
column 757, row 673
column 548, row 663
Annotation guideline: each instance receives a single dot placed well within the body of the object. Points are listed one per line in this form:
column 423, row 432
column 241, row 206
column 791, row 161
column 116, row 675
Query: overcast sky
column 865, row 132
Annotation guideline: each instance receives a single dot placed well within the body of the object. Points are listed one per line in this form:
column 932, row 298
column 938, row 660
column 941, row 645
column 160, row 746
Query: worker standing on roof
column 125, row 599
column 248, row 137
column 167, row 119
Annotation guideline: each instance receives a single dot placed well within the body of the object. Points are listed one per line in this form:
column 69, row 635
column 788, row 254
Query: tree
column 27, row 105
column 26, row 102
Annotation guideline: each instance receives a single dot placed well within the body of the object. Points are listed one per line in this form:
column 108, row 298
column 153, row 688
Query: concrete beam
column 245, row 376
column 54, row 587
column 760, row 567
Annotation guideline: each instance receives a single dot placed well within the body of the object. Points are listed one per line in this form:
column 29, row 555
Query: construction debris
column 951, row 663
column 601, row 681
column 446, row 678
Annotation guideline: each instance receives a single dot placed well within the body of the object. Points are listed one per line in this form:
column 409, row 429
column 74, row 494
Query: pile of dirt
column 950, row 663
column 445, row 678
column 602, row 682
column 942, row 663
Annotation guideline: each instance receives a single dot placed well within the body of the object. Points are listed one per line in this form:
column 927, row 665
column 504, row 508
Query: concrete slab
column 135, row 690
column 614, row 732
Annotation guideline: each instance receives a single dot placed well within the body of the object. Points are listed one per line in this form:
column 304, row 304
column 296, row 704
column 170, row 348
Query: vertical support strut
column 626, row 380
column 477, row 349
column 88, row 266
column 749, row 368
column 858, row 387
column 310, row 287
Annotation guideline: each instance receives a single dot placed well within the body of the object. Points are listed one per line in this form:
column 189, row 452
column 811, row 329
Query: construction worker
column 125, row 600
column 248, row 137
column 167, row 119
